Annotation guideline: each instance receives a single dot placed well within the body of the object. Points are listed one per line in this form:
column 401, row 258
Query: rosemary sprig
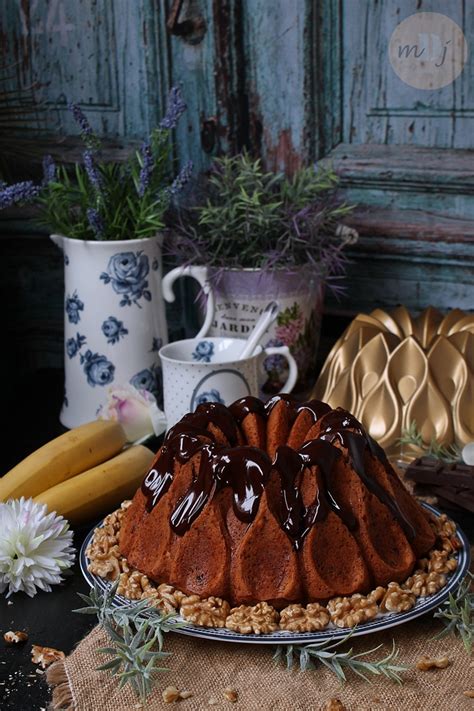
column 412, row 437
column 306, row 657
column 136, row 633
column 457, row 613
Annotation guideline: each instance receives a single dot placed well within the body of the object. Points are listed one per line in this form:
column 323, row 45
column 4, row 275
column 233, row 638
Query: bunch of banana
column 81, row 474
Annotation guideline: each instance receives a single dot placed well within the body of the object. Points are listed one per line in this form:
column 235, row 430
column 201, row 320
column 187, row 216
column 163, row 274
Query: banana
column 62, row 458
column 98, row 490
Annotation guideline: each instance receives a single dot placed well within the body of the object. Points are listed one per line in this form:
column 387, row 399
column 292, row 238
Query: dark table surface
column 48, row 618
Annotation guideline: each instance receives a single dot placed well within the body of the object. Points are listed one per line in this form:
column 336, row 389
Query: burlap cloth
column 207, row 668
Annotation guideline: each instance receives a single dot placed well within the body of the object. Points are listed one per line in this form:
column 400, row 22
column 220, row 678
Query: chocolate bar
column 427, row 470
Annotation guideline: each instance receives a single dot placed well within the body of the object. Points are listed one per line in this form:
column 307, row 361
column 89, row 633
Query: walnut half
column 211, row 612
column 351, row 611
column 396, row 599
column 422, row 583
column 259, row 619
column 297, row 618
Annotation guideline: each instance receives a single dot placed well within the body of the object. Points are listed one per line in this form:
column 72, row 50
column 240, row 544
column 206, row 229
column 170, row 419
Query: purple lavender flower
column 96, row 222
column 81, row 120
column 147, row 168
column 175, row 108
column 25, row 191
column 49, row 170
column 182, row 178
column 87, row 134
column 91, row 170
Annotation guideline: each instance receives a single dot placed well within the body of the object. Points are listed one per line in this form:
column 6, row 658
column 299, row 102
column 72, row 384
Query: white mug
column 198, row 370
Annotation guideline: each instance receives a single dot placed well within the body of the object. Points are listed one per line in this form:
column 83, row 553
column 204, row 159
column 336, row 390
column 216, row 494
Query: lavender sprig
column 182, row 178
column 87, row 134
column 49, row 170
column 147, row 168
column 91, row 170
column 96, row 222
column 174, row 110
column 25, row 191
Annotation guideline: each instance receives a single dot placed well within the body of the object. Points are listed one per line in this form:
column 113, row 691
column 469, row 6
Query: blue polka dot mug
column 198, row 370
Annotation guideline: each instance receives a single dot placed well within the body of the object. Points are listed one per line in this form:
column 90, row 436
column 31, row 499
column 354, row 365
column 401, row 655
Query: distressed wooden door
column 294, row 81
column 321, row 85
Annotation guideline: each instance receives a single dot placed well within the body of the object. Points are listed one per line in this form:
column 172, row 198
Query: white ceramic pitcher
column 114, row 321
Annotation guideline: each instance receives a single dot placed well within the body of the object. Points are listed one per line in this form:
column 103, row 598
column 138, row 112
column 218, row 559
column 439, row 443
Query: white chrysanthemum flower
column 35, row 547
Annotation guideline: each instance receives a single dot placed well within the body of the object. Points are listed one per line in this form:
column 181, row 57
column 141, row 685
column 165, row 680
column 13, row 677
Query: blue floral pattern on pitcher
column 74, row 345
column 127, row 272
column 98, row 369
column 113, row 330
column 73, row 307
column 204, row 351
column 148, row 379
column 209, row 396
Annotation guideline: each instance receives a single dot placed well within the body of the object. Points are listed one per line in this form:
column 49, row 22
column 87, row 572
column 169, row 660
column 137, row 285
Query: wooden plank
column 430, row 230
column 408, row 178
column 386, row 281
column 276, row 54
column 191, row 67
column 396, row 166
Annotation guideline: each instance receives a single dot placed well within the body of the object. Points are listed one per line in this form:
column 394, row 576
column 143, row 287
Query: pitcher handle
column 293, row 367
column 201, row 275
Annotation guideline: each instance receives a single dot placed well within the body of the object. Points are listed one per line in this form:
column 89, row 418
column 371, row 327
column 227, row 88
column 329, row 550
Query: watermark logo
column 428, row 50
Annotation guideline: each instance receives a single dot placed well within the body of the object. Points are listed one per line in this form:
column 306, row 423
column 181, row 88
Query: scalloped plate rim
column 378, row 624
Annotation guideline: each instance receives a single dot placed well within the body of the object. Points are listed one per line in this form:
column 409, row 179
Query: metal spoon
column 268, row 315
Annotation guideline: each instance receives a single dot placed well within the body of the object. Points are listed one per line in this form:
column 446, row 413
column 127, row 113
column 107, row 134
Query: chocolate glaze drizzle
column 341, row 425
column 247, row 470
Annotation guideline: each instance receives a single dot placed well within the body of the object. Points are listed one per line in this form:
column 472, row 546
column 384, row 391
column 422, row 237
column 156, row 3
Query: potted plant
column 107, row 218
column 264, row 236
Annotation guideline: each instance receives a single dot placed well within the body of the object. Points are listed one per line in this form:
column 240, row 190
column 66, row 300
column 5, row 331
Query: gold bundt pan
column 391, row 369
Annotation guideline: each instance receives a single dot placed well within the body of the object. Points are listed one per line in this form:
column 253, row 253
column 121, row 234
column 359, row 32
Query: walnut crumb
column 172, row 694
column 469, row 693
column 426, row 663
column 15, row 637
column 230, row 694
column 45, row 655
column 259, row 619
column 334, row 705
column 212, row 701
column 210, row 612
column 297, row 618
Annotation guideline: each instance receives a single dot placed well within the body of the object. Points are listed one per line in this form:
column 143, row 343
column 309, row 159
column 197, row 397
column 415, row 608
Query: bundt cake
column 280, row 502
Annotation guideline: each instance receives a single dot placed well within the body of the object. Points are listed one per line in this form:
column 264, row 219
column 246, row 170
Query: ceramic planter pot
column 114, row 321
column 235, row 299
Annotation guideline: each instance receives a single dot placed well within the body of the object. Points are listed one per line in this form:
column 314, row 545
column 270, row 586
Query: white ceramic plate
column 378, row 624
